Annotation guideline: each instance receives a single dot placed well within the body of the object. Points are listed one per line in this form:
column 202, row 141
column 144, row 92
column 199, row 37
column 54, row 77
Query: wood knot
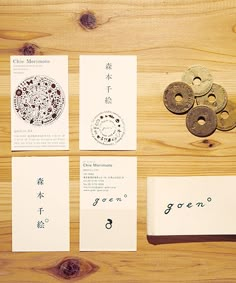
column 88, row 20
column 206, row 143
column 29, row 49
column 69, row 268
column 234, row 28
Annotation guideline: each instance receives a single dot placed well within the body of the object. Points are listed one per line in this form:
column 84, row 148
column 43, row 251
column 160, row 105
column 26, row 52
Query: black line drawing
column 39, row 100
column 108, row 225
column 107, row 128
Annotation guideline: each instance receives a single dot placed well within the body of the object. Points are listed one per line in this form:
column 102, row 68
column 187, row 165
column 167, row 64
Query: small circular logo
column 107, row 128
column 39, row 100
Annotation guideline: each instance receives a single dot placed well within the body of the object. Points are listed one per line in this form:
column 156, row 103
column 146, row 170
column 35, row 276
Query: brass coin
column 199, row 78
column 201, row 121
column 178, row 97
column 226, row 119
column 216, row 98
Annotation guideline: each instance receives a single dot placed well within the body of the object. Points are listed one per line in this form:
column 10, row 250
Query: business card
column 199, row 205
column 40, row 204
column 108, row 203
column 108, row 102
column 39, row 103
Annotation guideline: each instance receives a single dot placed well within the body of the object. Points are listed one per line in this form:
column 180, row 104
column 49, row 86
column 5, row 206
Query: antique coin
column 39, row 100
column 226, row 119
column 178, row 97
column 199, row 78
column 216, row 98
column 201, row 121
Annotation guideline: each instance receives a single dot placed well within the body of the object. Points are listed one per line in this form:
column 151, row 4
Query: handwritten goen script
column 172, row 206
column 118, row 199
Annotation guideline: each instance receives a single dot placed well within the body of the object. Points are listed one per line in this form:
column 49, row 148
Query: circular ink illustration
column 107, row 128
column 39, row 100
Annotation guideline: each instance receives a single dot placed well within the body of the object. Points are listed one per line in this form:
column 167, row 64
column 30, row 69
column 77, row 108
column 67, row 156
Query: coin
column 216, row 98
column 226, row 119
column 199, row 78
column 178, row 97
column 201, row 121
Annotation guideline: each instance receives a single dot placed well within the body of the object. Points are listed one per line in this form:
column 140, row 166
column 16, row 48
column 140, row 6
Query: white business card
column 108, row 203
column 39, row 103
column 108, row 102
column 40, row 204
column 203, row 205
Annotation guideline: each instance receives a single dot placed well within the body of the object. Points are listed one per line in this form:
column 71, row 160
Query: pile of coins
column 213, row 110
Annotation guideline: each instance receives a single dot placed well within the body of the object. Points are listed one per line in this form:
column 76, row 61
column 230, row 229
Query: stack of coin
column 212, row 111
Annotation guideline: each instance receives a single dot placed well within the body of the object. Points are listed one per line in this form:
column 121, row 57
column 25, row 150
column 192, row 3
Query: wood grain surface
column 167, row 36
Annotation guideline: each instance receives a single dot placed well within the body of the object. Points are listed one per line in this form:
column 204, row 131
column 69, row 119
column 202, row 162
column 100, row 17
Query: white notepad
column 203, row 205
column 40, row 204
column 39, row 103
column 108, row 203
column 108, row 102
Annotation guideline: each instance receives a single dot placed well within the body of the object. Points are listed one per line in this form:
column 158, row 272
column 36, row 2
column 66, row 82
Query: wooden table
column 167, row 37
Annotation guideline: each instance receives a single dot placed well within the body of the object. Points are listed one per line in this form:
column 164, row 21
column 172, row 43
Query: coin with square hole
column 201, row 121
column 226, row 119
column 199, row 78
column 178, row 97
column 216, row 98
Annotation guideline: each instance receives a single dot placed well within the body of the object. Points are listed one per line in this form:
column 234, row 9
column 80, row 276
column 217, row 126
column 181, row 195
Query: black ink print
column 181, row 205
column 107, row 128
column 39, row 100
column 110, row 200
column 109, row 224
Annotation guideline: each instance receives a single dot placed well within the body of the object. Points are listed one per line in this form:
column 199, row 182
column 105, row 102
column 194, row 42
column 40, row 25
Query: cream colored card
column 108, row 203
column 40, row 204
column 202, row 205
column 39, row 103
column 108, row 102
